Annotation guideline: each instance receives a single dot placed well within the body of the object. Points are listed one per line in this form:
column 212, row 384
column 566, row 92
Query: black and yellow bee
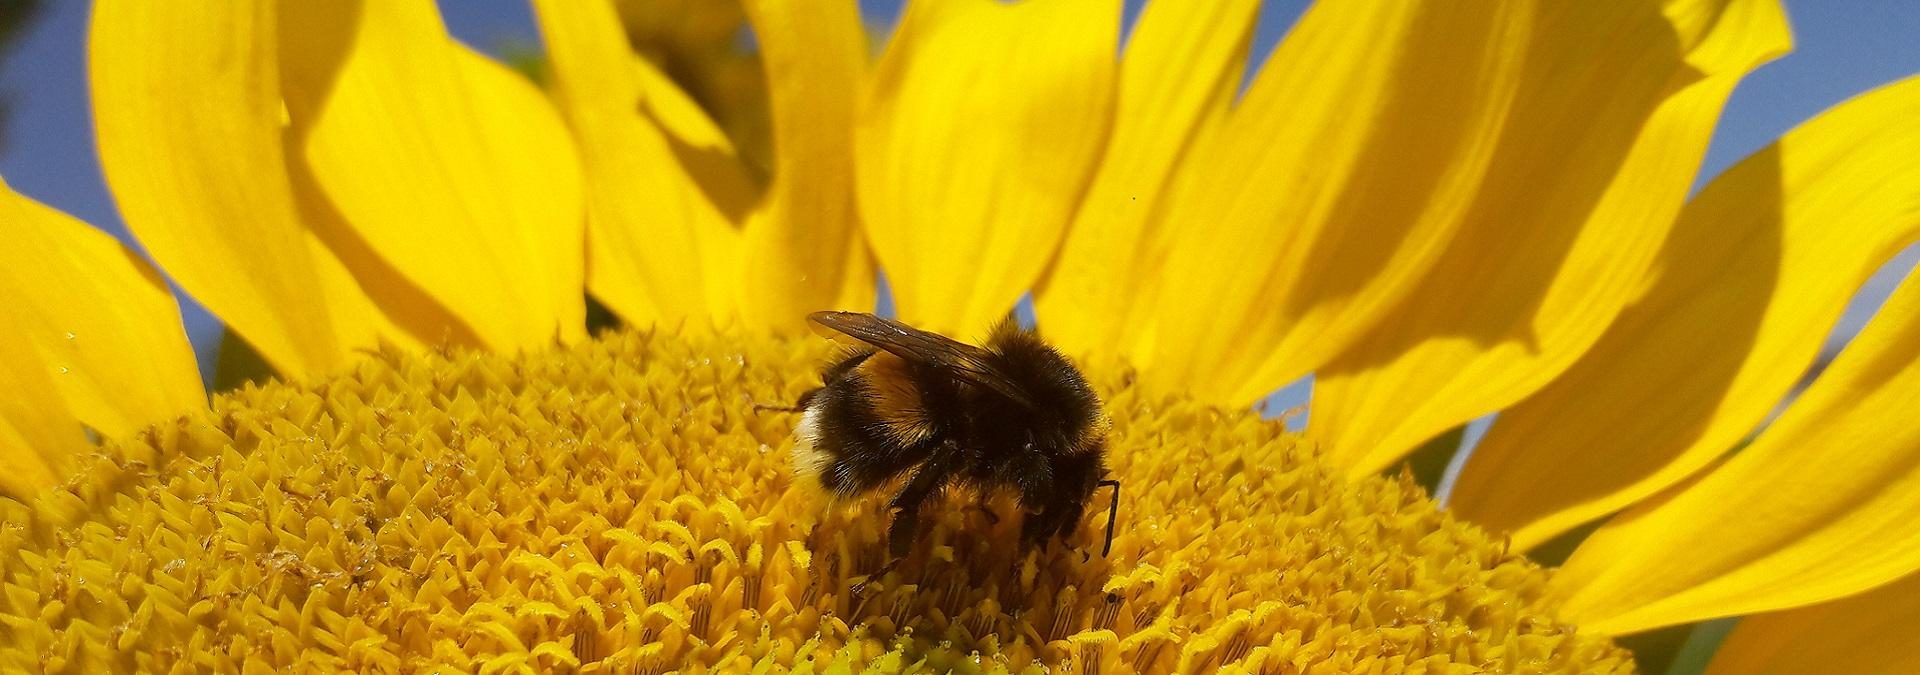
column 1013, row 416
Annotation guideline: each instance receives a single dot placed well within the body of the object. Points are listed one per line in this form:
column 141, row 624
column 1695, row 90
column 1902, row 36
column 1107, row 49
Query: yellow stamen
column 619, row 505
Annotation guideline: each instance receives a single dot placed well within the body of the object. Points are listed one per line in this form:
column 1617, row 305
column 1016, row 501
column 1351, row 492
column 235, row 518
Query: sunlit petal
column 169, row 83
column 1183, row 64
column 1592, row 167
column 1820, row 506
column 977, row 140
column 457, row 172
column 1737, row 307
column 1284, row 246
column 798, row 251
column 37, row 431
column 315, row 41
column 106, row 327
column 658, row 247
column 1867, row 634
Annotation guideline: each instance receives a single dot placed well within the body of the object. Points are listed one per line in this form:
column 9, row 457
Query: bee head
column 1067, row 414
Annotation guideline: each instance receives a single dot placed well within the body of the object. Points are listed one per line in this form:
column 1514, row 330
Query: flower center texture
column 621, row 505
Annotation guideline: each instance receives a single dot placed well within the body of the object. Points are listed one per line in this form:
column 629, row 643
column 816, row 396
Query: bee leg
column 796, row 407
column 906, row 506
column 906, row 521
column 876, row 575
column 1113, row 513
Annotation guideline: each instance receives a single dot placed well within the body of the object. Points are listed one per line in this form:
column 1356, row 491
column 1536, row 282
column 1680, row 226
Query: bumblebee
column 913, row 408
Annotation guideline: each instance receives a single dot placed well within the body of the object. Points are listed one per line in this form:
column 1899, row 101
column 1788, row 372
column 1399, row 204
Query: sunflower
column 1438, row 213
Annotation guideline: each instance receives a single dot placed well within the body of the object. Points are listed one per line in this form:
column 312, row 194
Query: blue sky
column 1842, row 48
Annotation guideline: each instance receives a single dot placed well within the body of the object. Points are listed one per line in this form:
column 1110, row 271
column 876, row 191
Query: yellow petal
column 1758, row 269
column 187, row 113
column 797, row 251
column 1867, row 634
column 681, row 24
column 37, row 432
column 1285, row 248
column 977, row 139
column 701, row 146
column 658, row 247
column 1183, row 64
column 1820, row 506
column 1595, row 161
column 107, row 329
column 315, row 41
column 859, row 287
column 456, row 171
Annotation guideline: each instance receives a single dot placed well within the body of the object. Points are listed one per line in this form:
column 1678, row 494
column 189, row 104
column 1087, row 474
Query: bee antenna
column 1113, row 513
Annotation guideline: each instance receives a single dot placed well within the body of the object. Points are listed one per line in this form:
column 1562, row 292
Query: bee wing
column 968, row 363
